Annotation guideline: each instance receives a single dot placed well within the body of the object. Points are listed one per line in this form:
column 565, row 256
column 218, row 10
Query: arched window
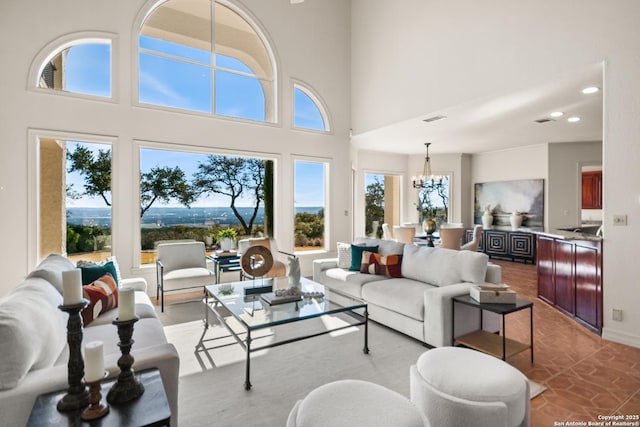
column 308, row 110
column 208, row 57
column 75, row 64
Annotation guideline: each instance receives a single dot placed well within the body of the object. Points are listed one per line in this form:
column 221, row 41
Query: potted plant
column 226, row 238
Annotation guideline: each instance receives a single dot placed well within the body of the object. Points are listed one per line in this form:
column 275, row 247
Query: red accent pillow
column 102, row 295
column 384, row 265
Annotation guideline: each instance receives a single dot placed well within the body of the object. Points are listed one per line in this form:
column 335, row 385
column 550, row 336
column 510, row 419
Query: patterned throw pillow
column 356, row 255
column 344, row 255
column 384, row 265
column 102, row 295
column 91, row 271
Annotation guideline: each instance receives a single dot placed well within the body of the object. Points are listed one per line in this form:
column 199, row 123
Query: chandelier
column 427, row 179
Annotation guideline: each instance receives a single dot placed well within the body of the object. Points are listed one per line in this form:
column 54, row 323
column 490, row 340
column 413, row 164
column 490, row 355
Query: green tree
column 164, row 184
column 235, row 177
column 160, row 183
column 374, row 204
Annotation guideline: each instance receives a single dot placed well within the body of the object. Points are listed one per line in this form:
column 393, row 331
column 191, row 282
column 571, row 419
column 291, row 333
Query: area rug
column 535, row 389
column 212, row 367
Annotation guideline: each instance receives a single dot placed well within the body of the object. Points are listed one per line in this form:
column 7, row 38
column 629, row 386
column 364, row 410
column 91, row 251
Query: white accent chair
column 458, row 387
column 355, row 403
column 404, row 234
column 451, row 238
column 473, row 244
column 180, row 266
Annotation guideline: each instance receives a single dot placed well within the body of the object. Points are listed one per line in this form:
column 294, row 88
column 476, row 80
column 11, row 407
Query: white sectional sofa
column 33, row 342
column 419, row 303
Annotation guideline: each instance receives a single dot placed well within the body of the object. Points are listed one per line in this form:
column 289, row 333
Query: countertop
column 564, row 234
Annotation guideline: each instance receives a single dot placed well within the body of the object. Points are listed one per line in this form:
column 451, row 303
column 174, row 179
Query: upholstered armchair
column 404, row 234
column 180, row 266
column 473, row 244
column 279, row 268
column 451, row 238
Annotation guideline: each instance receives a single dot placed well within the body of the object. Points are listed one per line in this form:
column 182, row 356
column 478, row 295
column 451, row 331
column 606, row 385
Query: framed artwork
column 504, row 197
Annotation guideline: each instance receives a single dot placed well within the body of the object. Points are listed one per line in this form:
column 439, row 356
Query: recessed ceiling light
column 573, row 119
column 590, row 89
column 556, row 114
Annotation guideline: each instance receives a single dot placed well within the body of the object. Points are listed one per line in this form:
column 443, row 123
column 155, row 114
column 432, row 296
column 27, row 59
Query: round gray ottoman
column 456, row 386
column 355, row 403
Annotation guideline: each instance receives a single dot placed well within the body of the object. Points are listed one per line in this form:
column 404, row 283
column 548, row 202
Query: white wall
column 424, row 56
column 311, row 41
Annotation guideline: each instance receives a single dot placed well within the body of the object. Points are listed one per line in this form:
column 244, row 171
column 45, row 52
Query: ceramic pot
column 516, row 220
column 226, row 244
column 487, row 220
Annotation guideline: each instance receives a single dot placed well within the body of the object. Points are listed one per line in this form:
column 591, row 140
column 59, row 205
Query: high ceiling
column 501, row 122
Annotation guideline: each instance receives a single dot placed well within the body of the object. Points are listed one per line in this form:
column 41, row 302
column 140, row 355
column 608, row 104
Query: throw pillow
column 344, row 255
column 91, row 273
column 384, row 265
column 356, row 255
column 102, row 295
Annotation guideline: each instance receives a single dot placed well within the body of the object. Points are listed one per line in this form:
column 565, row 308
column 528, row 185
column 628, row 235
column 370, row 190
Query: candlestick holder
column 127, row 387
column 96, row 408
column 77, row 396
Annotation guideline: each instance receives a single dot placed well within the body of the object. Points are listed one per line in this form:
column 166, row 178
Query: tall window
column 83, row 68
column 193, row 196
column 203, row 56
column 308, row 112
column 74, row 198
column 309, row 204
column 382, row 202
column 433, row 202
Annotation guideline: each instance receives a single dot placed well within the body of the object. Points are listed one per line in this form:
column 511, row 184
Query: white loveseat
column 419, row 303
column 33, row 342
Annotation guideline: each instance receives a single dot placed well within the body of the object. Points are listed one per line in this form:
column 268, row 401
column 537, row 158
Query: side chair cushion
column 177, row 256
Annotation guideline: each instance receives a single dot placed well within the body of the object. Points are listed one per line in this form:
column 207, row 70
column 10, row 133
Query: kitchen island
column 569, row 267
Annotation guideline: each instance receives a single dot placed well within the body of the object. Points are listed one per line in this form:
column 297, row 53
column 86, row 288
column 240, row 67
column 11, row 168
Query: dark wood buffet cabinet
column 570, row 278
column 508, row 244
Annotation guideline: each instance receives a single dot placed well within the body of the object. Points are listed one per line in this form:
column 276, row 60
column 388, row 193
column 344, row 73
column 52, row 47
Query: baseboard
column 621, row 337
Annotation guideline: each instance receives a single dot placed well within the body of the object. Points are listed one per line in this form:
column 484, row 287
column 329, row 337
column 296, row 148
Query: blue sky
column 188, row 86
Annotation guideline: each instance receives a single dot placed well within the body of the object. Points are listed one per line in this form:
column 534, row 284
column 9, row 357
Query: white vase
column 208, row 240
column 374, row 229
column 516, row 220
column 487, row 220
column 226, row 244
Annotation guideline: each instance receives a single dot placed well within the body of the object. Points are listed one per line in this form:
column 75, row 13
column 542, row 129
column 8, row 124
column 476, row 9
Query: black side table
column 225, row 261
column 481, row 340
column 149, row 410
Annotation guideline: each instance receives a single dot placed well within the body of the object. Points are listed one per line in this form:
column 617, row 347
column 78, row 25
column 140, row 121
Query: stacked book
column 495, row 293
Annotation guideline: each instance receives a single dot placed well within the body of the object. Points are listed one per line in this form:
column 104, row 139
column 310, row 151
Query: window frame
column 139, row 144
column 57, row 46
column 149, row 8
column 33, row 184
column 317, row 100
column 327, row 162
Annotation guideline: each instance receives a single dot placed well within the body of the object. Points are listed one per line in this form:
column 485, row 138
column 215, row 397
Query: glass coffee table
column 243, row 314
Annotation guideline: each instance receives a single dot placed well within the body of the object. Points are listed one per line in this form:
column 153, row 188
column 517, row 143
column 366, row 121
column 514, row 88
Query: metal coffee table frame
column 215, row 300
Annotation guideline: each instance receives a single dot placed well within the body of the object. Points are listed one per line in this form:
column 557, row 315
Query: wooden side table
column 149, row 410
column 487, row 342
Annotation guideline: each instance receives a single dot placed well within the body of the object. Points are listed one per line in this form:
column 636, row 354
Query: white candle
column 93, row 361
column 126, row 304
column 71, row 286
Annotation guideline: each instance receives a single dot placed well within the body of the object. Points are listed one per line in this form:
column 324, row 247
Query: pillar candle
column 126, row 304
column 94, row 361
column 72, row 286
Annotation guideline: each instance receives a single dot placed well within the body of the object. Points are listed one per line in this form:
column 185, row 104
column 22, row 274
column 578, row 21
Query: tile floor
column 585, row 375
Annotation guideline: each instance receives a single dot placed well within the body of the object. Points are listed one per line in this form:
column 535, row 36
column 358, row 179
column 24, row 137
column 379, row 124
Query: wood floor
column 585, row 376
